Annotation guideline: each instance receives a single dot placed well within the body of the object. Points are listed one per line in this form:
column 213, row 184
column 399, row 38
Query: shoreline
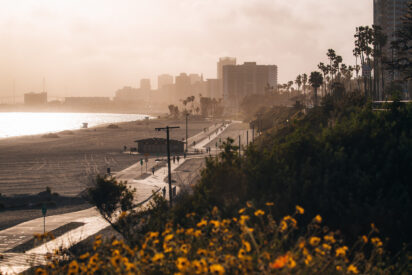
column 28, row 164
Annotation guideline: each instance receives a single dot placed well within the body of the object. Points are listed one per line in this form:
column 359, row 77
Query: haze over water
column 25, row 123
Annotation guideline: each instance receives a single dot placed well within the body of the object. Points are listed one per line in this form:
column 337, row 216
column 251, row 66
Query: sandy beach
column 68, row 163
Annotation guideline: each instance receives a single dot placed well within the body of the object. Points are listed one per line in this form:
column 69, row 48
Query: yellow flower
column 168, row 237
column 84, row 256
column 338, row 268
column 318, row 219
column 215, row 211
column 40, row 271
column 115, row 261
column 364, row 239
column 197, row 267
column 299, row 209
column 241, row 254
column 259, row 213
column 291, row 262
column 152, row 235
column 185, row 248
column 247, row 246
column 280, row 262
column 202, row 223
column 283, row 226
column 269, row 204
column 377, row 242
column 217, row 269
column 243, row 219
column 201, row 252
column 319, row 251
column 215, row 223
column 314, row 241
column 197, row 233
column 182, row 263
column 158, row 257
column 249, row 204
column 353, row 269
column 189, row 231
column 115, row 253
column 74, row 266
column 308, row 259
column 326, row 246
column 97, row 243
column 341, row 251
column 329, row 238
column 242, row 210
column 167, row 248
column 302, row 244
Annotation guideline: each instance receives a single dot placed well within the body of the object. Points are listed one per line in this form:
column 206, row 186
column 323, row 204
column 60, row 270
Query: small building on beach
column 158, row 146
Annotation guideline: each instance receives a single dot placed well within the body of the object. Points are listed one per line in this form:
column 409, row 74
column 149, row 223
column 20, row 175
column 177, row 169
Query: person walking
column 164, row 191
column 178, row 159
column 174, row 159
column 153, row 169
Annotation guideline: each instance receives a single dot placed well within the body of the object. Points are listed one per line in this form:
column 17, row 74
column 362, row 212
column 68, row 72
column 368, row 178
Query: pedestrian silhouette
column 164, row 192
column 174, row 159
column 178, row 158
column 153, row 169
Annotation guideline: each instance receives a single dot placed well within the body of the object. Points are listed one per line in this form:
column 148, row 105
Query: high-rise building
column 35, row 98
column 388, row 14
column 194, row 78
column 163, row 80
column 240, row 81
column 223, row 61
column 145, row 84
column 182, row 86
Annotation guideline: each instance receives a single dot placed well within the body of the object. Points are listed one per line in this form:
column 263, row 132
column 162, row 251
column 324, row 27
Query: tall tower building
column 145, row 84
column 163, row 80
column 223, row 61
column 388, row 14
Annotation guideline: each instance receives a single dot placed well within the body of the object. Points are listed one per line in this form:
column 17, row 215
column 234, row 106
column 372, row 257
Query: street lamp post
column 169, row 172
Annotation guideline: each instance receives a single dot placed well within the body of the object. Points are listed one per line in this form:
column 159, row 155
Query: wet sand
column 68, row 164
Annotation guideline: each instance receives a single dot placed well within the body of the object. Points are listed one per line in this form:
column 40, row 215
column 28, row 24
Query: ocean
column 13, row 124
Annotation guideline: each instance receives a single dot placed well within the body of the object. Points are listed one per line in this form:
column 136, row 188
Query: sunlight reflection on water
column 18, row 124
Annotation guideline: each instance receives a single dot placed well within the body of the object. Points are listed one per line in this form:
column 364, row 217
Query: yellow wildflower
column 40, row 271
column 249, row 204
column 341, row 251
column 247, row 245
column 283, row 226
column 259, row 213
column 168, row 237
column 158, row 257
column 318, row 219
column 319, row 251
column 377, row 242
column 215, row 211
column 291, row 262
column 202, row 223
column 217, row 269
column 197, row 233
column 269, row 204
column 242, row 210
column 182, row 263
column 299, row 210
column 197, row 267
column 326, row 246
column 74, row 266
column 353, row 269
column 115, row 253
column 241, row 254
column 338, row 268
column 115, row 261
column 185, row 248
column 314, row 241
column 243, row 219
column 215, row 223
column 280, row 262
column 364, row 239
column 84, row 256
column 329, row 238
column 201, row 252
column 308, row 259
column 189, row 231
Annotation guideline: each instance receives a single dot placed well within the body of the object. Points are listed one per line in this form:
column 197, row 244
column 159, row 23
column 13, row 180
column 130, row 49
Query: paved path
column 93, row 222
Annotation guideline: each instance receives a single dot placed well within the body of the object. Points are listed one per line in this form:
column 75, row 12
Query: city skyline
column 79, row 53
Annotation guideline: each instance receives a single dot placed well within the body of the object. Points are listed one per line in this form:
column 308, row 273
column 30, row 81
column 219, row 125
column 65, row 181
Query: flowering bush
column 251, row 242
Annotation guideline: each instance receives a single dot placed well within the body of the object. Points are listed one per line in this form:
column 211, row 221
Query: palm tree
column 304, row 81
column 325, row 71
column 290, row 83
column 331, row 54
column 315, row 80
column 298, row 82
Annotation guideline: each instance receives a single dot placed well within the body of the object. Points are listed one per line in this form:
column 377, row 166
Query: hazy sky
column 85, row 47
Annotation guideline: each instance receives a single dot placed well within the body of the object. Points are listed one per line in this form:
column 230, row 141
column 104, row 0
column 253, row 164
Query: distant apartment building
column 182, row 86
column 223, row 61
column 145, row 84
column 163, row 80
column 249, row 78
column 35, row 98
column 194, row 78
column 388, row 15
column 213, row 88
column 127, row 94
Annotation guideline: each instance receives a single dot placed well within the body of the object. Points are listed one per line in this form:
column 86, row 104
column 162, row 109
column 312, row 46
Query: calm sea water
column 20, row 124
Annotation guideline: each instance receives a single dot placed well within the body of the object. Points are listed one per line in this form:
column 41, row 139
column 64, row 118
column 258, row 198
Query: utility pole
column 247, row 138
column 253, row 133
column 186, row 131
column 169, row 172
